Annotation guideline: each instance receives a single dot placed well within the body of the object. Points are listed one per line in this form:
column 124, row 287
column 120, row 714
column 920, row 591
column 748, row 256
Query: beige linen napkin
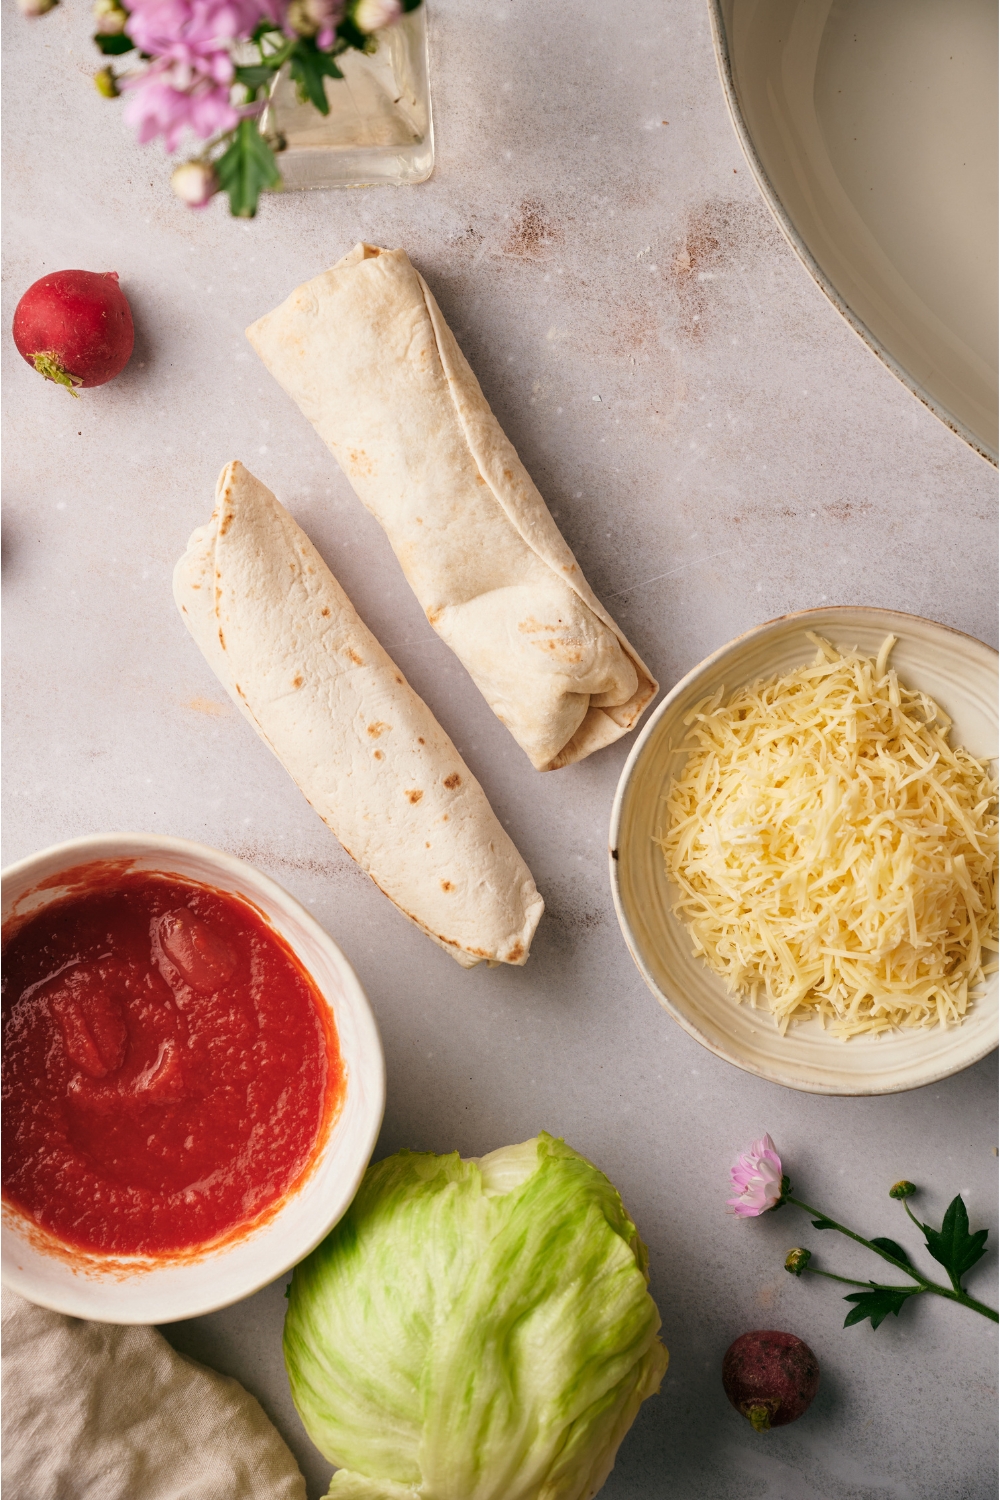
column 92, row 1411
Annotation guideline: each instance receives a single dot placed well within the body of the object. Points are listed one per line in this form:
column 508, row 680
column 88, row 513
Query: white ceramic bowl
column 870, row 127
column 957, row 671
column 132, row 1291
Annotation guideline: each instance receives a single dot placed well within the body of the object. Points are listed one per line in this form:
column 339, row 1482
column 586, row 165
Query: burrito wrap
column 287, row 644
column 366, row 353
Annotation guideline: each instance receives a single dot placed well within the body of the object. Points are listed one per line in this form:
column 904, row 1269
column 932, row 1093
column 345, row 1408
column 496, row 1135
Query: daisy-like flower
column 186, row 29
column 188, row 84
column 171, row 97
column 756, row 1177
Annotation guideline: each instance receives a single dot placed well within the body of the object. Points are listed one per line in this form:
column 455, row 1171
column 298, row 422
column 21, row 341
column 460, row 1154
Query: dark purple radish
column 770, row 1377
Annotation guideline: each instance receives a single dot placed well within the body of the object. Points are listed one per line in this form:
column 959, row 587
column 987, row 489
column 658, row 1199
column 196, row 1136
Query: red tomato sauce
column 170, row 1070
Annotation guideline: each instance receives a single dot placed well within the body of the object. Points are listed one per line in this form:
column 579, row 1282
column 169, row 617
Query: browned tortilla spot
column 378, row 728
column 379, row 755
column 325, row 610
column 415, row 796
column 515, row 953
column 222, row 639
column 567, row 650
column 355, row 658
column 298, row 680
column 452, row 781
column 530, row 624
column 446, row 885
column 360, row 461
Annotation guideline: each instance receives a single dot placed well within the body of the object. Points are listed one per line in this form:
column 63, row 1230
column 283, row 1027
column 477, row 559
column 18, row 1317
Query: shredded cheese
column 833, row 854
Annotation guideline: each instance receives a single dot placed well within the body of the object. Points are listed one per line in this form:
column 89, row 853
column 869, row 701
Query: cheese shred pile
column 834, row 856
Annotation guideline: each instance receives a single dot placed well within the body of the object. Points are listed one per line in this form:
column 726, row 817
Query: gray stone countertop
column 718, row 448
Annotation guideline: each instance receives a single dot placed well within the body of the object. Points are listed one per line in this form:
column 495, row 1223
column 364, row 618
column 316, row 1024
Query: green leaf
column 409, row 5
column 350, row 35
column 114, row 46
column 309, row 67
column 263, row 29
column 952, row 1246
column 246, row 168
column 892, row 1248
column 876, row 1304
column 255, row 74
column 823, row 1224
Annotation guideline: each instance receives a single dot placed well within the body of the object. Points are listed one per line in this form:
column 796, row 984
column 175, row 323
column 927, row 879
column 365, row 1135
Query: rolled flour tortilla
column 285, row 641
column 367, row 355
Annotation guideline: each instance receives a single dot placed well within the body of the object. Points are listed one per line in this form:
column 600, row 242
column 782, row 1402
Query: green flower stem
column 849, row 1281
column 953, row 1293
column 842, row 1229
column 965, row 1300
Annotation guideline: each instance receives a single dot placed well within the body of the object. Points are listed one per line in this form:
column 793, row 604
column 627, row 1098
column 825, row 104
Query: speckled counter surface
column 718, row 448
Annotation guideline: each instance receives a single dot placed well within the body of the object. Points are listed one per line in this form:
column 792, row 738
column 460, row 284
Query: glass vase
column 379, row 128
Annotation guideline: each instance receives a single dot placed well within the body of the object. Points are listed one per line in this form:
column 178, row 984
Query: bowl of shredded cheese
column 803, row 851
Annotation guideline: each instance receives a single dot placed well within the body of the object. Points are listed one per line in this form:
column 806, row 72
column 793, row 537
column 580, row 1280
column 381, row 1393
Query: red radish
column 770, row 1377
column 75, row 327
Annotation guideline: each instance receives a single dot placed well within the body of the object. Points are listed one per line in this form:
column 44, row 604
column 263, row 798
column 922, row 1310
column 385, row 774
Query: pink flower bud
column 757, row 1179
column 194, row 182
column 109, row 17
column 310, row 17
column 373, row 15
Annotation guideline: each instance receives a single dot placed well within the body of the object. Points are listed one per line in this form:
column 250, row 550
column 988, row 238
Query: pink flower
column 170, row 98
column 187, row 85
column 757, row 1180
column 186, row 29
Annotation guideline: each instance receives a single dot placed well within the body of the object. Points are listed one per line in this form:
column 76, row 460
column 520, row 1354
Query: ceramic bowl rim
column 234, row 873
column 724, row 64
column 669, row 1005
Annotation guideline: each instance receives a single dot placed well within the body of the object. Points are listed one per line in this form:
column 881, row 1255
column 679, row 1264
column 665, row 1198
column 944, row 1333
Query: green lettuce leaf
column 475, row 1330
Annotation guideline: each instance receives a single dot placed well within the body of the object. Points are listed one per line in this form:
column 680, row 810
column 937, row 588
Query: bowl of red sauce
column 193, row 1079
